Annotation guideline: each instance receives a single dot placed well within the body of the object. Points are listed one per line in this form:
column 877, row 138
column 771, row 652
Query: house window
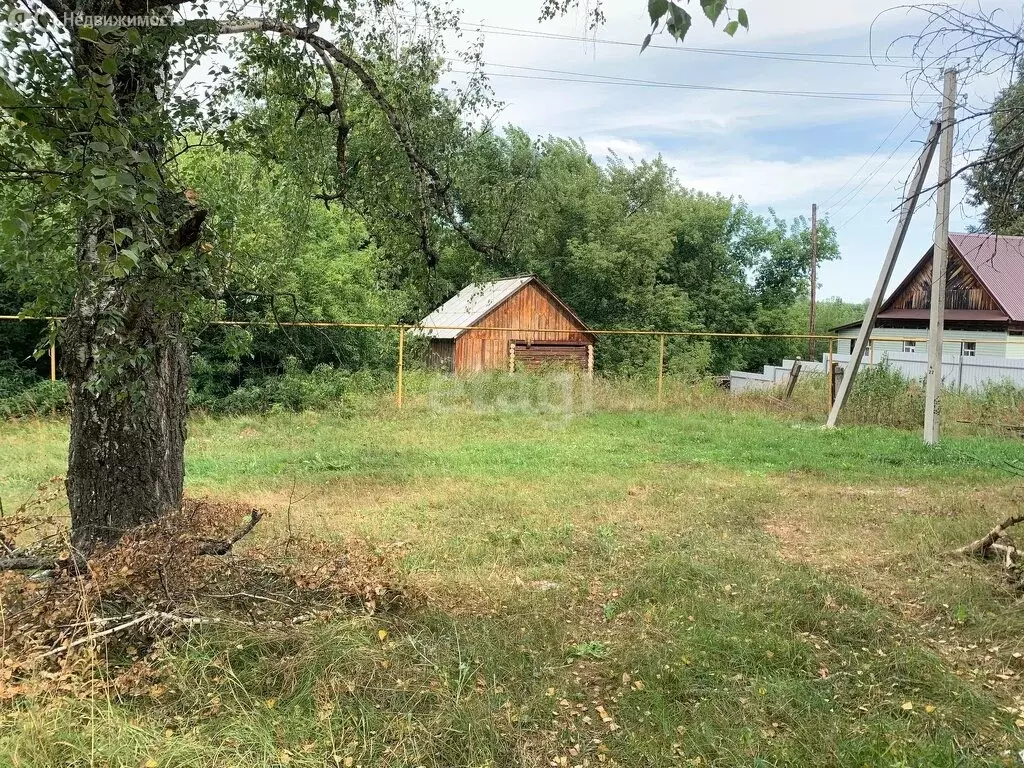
column 910, row 346
column 969, row 348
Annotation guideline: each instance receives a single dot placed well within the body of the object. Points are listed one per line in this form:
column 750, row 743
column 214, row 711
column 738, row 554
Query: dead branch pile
column 998, row 544
column 163, row 580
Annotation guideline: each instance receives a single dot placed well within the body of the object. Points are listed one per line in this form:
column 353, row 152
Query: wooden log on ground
column 982, row 545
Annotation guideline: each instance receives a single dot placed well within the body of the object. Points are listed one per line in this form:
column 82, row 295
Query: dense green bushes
column 882, row 396
column 23, row 393
column 323, row 388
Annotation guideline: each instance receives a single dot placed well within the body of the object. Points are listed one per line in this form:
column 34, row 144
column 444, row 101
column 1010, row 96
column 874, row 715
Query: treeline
column 625, row 244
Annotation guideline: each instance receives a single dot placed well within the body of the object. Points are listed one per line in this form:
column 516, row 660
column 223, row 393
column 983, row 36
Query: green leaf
column 109, row 65
column 657, row 9
column 681, row 22
column 647, row 41
column 731, row 28
column 713, row 9
column 741, row 14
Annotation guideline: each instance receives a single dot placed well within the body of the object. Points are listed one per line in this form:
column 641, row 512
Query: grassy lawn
column 636, row 589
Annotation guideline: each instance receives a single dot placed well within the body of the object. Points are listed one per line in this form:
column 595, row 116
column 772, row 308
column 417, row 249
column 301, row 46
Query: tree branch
column 437, row 188
column 225, row 546
column 982, row 545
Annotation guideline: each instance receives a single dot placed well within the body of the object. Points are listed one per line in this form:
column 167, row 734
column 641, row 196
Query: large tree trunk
column 127, row 370
column 126, row 362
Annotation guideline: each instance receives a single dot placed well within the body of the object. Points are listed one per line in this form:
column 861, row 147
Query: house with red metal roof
column 984, row 302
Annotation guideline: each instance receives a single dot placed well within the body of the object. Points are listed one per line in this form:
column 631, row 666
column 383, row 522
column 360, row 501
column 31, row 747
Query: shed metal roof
column 468, row 307
column 924, row 315
column 956, row 315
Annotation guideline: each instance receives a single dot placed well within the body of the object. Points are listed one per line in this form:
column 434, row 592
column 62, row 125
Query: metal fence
column 959, row 372
column 962, row 373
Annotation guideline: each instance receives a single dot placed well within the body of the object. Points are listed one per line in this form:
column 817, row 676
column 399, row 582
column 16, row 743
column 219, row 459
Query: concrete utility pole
column 906, row 214
column 814, row 274
column 940, row 260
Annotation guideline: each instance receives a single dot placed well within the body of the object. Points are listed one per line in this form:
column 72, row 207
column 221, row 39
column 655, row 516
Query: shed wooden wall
column 442, row 355
column 963, row 290
column 529, row 308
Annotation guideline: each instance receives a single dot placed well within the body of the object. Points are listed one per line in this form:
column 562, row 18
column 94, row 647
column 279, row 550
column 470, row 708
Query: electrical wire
column 882, row 189
column 850, row 196
column 584, row 78
column 813, row 57
column 834, row 196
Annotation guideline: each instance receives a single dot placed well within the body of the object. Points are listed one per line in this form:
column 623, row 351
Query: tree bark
column 127, row 372
column 126, row 360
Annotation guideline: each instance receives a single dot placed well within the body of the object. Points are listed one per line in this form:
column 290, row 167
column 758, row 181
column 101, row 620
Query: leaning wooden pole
column 906, row 214
column 940, row 261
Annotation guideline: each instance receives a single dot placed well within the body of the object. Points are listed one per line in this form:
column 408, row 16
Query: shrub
column 15, row 379
column 44, row 398
column 323, row 388
column 882, row 396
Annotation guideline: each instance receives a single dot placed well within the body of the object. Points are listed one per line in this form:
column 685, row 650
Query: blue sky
column 774, row 151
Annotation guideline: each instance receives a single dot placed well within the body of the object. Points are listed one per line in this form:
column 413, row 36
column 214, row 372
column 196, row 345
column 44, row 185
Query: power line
column 697, row 87
column 815, row 57
column 850, row 196
column 834, row 195
column 882, row 189
column 555, row 75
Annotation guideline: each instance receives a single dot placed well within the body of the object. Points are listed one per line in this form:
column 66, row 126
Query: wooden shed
column 511, row 325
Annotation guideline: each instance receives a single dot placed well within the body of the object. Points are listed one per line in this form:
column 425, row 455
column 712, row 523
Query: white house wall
column 990, row 343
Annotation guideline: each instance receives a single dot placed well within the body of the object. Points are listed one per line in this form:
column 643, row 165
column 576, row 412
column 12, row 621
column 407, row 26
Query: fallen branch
column 140, row 619
column 105, row 633
column 74, row 563
column 984, row 544
column 1008, row 552
column 225, row 546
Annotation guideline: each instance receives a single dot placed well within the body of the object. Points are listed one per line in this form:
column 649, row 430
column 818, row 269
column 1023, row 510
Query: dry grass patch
column 895, row 542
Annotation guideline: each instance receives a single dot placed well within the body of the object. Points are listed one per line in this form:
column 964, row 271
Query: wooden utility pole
column 661, row 368
column 814, row 276
column 401, row 364
column 940, row 260
column 906, row 214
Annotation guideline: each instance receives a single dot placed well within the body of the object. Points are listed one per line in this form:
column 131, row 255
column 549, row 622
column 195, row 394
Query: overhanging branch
column 437, row 188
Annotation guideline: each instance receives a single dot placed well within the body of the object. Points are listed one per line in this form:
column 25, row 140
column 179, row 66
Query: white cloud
column 777, row 182
column 776, row 151
column 604, row 146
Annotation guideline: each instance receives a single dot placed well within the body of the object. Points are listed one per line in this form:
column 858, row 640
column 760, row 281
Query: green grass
column 618, row 588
